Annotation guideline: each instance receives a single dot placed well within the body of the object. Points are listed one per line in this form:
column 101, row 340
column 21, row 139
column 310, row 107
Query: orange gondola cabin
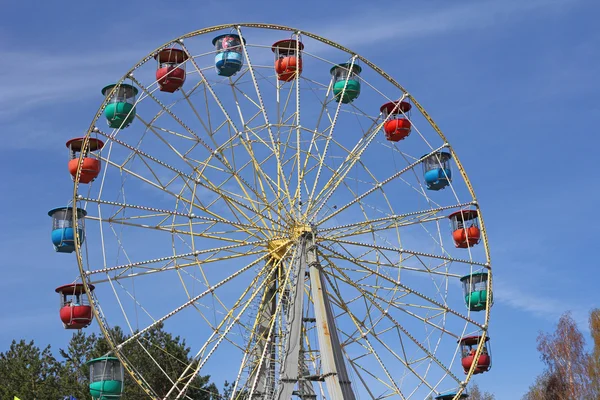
column 288, row 59
column 170, row 73
column 468, row 346
column 75, row 310
column 465, row 228
column 90, row 166
column 397, row 127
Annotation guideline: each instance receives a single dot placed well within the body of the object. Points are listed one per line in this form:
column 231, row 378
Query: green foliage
column 228, row 392
column 29, row 373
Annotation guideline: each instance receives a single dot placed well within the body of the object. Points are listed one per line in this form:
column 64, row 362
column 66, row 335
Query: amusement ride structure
column 286, row 207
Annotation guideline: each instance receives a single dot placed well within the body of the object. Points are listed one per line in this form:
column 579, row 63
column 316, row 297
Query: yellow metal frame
column 277, row 247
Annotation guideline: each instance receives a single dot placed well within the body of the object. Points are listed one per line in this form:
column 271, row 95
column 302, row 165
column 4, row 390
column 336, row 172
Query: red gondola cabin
column 468, row 346
column 170, row 73
column 90, row 166
column 288, row 59
column 75, row 311
column 397, row 127
column 465, row 228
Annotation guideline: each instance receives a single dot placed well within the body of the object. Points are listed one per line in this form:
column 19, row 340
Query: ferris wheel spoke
column 376, row 300
column 377, row 187
column 330, row 129
column 206, row 356
column 206, row 184
column 353, row 156
column 247, row 146
column 407, row 251
column 162, row 213
column 195, row 299
column 223, row 236
column 378, row 264
column 415, row 217
column 214, row 154
column 345, row 167
column 364, row 333
column 213, row 257
column 403, row 286
column 261, row 177
column 371, row 331
column 229, row 144
column 280, row 171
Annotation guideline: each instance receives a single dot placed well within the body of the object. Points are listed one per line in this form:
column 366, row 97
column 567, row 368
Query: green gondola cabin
column 120, row 110
column 346, row 83
column 106, row 378
column 475, row 290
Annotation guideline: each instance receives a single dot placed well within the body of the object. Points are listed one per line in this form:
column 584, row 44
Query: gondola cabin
column 170, row 73
column 397, row 127
column 436, row 170
column 106, row 378
column 229, row 58
column 475, row 290
column 468, row 346
column 120, row 110
column 90, row 166
column 63, row 233
column 451, row 396
column 75, row 310
column 346, row 83
column 288, row 59
column 465, row 228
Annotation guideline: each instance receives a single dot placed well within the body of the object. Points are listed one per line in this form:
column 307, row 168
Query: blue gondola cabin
column 63, row 233
column 288, row 59
column 436, row 170
column 120, row 110
column 90, row 166
column 465, row 228
column 397, row 126
column 468, row 346
column 170, row 73
column 346, row 83
column 229, row 58
column 106, row 378
column 451, row 396
column 75, row 310
column 475, row 288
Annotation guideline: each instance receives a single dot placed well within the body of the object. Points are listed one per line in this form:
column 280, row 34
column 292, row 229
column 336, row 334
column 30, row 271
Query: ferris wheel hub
column 298, row 229
column 277, row 248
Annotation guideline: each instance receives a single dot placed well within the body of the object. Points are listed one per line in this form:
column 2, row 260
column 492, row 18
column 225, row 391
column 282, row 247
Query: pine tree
column 28, row 372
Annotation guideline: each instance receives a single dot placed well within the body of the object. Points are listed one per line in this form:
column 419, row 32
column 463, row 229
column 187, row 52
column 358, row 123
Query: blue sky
column 512, row 84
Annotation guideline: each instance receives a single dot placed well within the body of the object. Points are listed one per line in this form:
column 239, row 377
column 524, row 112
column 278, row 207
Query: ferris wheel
column 290, row 210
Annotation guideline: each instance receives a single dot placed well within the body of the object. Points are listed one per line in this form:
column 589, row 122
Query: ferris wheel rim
column 77, row 197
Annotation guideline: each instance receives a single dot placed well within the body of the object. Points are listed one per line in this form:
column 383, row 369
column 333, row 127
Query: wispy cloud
column 370, row 27
column 60, row 76
column 544, row 306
